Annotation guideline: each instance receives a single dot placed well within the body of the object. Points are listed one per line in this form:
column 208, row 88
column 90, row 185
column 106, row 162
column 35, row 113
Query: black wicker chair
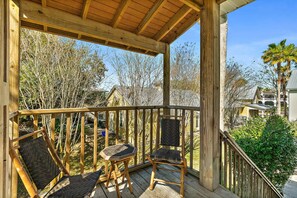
column 39, row 165
column 170, row 137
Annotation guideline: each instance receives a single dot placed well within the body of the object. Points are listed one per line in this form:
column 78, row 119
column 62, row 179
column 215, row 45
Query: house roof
column 260, row 107
column 249, row 94
column 144, row 26
column 154, row 96
column 292, row 83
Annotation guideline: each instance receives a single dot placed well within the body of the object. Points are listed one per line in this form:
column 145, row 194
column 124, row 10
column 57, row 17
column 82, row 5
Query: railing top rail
column 237, row 148
column 94, row 109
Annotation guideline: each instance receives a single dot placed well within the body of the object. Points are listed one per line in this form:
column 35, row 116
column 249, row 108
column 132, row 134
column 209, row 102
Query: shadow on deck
column 140, row 181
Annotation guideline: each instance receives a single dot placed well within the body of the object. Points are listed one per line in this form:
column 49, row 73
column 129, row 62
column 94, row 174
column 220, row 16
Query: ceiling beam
column 43, row 3
column 54, row 18
column 85, row 9
column 172, row 22
column 193, row 4
column 185, row 26
column 120, row 12
column 221, row 1
column 150, row 15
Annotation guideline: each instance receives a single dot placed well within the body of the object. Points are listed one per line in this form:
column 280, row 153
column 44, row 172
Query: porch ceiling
column 141, row 26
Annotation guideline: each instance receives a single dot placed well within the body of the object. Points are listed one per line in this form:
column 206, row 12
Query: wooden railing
column 240, row 175
column 140, row 126
column 81, row 142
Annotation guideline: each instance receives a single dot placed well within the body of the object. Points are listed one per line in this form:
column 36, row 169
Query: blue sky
column 251, row 29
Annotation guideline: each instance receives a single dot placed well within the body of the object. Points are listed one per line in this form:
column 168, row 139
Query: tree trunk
column 223, row 56
column 278, row 89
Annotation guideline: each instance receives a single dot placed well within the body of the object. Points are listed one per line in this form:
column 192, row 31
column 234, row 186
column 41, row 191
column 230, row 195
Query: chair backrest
column 170, row 132
column 38, row 161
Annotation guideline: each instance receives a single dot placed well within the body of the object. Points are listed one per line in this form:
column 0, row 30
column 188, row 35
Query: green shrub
column 248, row 135
column 271, row 145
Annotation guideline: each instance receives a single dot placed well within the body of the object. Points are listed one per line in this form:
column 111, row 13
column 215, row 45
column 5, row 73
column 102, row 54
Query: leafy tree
column 238, row 81
column 185, row 68
column 57, row 73
column 270, row 143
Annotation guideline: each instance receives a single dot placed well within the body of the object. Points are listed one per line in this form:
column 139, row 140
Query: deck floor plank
column 140, row 181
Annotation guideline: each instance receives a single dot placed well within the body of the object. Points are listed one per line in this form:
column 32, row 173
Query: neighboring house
column 123, row 96
column 292, row 99
column 250, row 104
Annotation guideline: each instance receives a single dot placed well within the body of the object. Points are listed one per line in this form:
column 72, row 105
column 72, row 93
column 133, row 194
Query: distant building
column 292, row 93
column 251, row 104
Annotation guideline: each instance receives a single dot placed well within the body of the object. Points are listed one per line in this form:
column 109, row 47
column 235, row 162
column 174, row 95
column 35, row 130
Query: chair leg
column 153, row 176
column 116, row 182
column 182, row 181
column 109, row 175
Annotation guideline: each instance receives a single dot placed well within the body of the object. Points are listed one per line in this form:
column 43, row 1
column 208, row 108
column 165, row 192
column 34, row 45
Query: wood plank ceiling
column 142, row 26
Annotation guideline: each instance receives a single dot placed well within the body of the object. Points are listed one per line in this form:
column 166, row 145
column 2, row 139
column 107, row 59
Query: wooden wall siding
column 158, row 20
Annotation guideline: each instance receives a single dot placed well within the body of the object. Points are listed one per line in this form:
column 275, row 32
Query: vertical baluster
column 106, row 137
column 234, row 171
column 221, row 163
column 191, row 138
column 238, row 174
column 127, row 126
column 135, row 135
column 158, row 130
column 183, row 132
column 95, row 151
column 225, row 164
column 151, row 131
column 52, row 137
column 143, row 137
column 35, row 124
column 117, row 126
column 242, row 178
column 82, row 143
column 230, row 167
column 52, row 129
column 68, row 128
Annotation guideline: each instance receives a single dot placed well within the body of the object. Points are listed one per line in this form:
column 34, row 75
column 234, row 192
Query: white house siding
column 293, row 106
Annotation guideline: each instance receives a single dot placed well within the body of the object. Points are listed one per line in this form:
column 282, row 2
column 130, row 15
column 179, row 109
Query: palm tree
column 282, row 56
column 290, row 55
column 274, row 56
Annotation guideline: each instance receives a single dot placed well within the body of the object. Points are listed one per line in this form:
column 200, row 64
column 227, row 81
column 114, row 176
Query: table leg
column 116, row 182
column 109, row 175
column 126, row 173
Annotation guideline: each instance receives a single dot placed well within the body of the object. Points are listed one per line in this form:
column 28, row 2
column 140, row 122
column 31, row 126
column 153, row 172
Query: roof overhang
column 140, row 26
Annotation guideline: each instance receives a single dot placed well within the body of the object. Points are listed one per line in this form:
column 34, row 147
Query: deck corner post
column 166, row 79
column 210, row 95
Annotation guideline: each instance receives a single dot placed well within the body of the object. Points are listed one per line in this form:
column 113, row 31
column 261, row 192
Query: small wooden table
column 120, row 153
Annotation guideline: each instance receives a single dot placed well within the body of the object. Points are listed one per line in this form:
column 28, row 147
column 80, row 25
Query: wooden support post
column 9, row 90
column 210, row 95
column 166, row 79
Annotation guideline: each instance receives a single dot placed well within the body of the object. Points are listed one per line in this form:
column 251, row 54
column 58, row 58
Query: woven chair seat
column 118, row 152
column 74, row 186
column 168, row 155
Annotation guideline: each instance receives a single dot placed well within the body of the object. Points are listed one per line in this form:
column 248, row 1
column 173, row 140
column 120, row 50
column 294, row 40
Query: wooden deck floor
column 140, row 182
